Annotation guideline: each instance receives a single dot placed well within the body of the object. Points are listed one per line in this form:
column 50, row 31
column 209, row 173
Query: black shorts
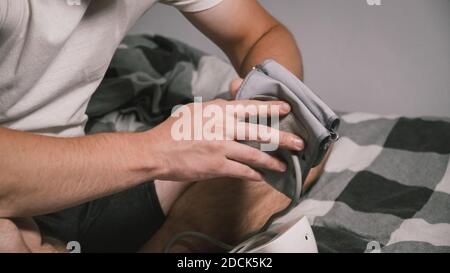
column 123, row 222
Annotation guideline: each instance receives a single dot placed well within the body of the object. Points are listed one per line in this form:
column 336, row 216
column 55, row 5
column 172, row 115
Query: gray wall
column 389, row 59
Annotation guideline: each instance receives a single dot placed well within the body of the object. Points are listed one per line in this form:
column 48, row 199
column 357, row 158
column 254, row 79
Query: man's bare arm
column 40, row 174
column 248, row 34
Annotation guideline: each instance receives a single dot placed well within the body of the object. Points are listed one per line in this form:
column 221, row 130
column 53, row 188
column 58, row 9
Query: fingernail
column 298, row 143
column 283, row 167
column 286, row 107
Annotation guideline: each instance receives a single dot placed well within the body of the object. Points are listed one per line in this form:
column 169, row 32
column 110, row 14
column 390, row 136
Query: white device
column 292, row 237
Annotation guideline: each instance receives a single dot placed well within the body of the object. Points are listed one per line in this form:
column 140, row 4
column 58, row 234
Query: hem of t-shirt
column 199, row 6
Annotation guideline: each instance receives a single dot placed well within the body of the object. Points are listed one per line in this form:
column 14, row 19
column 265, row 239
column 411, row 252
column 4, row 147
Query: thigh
column 225, row 209
column 11, row 239
column 23, row 235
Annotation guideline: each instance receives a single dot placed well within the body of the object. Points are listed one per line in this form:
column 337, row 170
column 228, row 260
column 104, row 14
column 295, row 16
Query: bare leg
column 23, row 236
column 225, row 209
column 11, row 239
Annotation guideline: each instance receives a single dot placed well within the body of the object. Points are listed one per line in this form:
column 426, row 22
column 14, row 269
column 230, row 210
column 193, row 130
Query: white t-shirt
column 54, row 54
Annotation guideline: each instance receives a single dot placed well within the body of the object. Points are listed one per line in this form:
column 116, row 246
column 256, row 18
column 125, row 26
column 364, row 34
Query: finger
column 253, row 157
column 246, row 108
column 264, row 134
column 238, row 170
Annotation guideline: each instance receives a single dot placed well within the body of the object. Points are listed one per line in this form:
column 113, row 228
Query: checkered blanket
column 386, row 185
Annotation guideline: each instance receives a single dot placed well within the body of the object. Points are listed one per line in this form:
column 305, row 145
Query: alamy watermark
column 214, row 122
column 374, row 2
column 373, row 247
column 73, row 247
column 73, row 2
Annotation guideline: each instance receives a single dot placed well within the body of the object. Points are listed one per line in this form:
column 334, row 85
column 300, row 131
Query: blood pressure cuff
column 310, row 118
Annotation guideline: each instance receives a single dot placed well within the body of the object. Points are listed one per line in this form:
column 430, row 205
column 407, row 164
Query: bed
column 386, row 187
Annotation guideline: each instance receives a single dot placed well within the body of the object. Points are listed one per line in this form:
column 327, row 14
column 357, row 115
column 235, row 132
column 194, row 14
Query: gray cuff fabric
column 310, row 118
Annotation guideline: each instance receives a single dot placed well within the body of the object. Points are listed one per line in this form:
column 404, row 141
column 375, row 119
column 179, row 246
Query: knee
column 7, row 226
column 10, row 237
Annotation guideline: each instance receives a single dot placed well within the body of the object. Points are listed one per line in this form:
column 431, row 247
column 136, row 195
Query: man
column 95, row 189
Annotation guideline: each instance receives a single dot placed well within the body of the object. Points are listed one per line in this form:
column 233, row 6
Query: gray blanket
column 148, row 77
column 386, row 186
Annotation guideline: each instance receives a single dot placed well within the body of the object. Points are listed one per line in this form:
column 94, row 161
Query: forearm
column 40, row 174
column 277, row 43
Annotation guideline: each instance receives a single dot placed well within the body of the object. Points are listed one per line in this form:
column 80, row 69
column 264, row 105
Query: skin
column 87, row 168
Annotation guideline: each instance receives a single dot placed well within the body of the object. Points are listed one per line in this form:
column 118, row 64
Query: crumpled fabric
column 310, row 118
column 148, row 77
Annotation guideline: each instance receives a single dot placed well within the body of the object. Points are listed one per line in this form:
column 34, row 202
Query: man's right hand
column 42, row 174
column 197, row 160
